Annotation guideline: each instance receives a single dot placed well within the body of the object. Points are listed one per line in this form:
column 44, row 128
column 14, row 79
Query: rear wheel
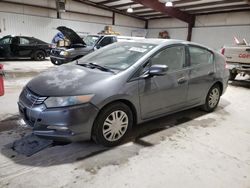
column 112, row 124
column 213, row 98
column 232, row 75
column 39, row 55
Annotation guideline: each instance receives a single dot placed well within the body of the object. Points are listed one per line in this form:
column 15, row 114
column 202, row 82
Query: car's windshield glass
column 118, row 56
column 90, row 40
column 5, row 40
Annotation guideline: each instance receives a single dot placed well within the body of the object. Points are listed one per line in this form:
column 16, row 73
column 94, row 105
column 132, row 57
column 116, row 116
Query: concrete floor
column 187, row 149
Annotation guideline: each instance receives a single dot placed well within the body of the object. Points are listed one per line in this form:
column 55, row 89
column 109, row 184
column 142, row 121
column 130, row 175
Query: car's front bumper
column 62, row 124
column 60, row 60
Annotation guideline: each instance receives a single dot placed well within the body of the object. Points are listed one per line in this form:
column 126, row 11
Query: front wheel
column 39, row 55
column 54, row 62
column 112, row 124
column 212, row 99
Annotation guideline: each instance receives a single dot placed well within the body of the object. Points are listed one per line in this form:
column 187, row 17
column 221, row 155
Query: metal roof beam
column 123, row 5
column 171, row 11
column 209, row 4
column 104, row 7
column 107, row 1
column 231, row 7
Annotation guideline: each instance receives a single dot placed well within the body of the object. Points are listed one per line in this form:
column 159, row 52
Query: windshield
column 118, row 56
column 90, row 40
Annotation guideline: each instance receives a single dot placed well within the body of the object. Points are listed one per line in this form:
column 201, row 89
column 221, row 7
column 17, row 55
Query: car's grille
column 55, row 52
column 32, row 97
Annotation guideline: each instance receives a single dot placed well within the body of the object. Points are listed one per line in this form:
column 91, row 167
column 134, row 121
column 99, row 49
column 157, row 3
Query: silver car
column 105, row 93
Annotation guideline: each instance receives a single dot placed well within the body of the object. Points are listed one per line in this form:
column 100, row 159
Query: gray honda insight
column 102, row 95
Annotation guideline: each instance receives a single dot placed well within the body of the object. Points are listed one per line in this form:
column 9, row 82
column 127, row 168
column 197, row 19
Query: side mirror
column 156, row 70
column 97, row 46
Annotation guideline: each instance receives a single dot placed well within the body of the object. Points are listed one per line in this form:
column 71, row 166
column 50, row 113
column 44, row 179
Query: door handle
column 181, row 80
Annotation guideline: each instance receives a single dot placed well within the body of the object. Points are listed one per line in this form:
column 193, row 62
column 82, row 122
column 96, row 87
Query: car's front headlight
column 64, row 53
column 67, row 101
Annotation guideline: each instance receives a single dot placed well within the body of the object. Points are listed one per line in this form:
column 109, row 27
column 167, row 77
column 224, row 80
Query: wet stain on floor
column 9, row 123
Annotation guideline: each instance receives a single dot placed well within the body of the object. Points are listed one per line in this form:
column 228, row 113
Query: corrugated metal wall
column 45, row 28
column 211, row 30
column 41, row 22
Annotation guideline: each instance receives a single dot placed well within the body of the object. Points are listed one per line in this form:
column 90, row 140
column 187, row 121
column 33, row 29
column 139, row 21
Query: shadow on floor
column 21, row 59
column 93, row 156
column 240, row 83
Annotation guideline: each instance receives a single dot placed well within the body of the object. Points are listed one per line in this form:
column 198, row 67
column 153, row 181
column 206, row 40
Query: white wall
column 41, row 21
column 213, row 30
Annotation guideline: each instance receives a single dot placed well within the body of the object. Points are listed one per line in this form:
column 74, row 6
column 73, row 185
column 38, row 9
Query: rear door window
column 24, row 41
column 200, row 56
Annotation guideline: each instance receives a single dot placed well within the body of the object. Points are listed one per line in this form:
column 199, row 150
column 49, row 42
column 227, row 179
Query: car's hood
column 71, row 35
column 68, row 80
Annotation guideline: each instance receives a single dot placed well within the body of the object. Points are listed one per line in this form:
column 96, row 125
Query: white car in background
column 237, row 58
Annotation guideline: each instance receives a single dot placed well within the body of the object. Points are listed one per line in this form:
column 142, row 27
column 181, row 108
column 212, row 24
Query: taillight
column 226, row 65
column 222, row 51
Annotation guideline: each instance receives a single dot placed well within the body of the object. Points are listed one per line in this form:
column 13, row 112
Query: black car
column 12, row 47
column 78, row 47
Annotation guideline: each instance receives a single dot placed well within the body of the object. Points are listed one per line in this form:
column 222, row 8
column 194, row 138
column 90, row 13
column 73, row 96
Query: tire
column 39, row 55
column 103, row 132
column 212, row 99
column 232, row 75
column 53, row 61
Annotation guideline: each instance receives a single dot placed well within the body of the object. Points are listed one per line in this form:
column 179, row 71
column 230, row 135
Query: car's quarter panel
column 201, row 75
column 222, row 73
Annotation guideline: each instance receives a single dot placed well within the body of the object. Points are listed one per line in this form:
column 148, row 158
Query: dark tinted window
column 24, row 41
column 6, row 40
column 173, row 57
column 105, row 41
column 200, row 56
column 34, row 41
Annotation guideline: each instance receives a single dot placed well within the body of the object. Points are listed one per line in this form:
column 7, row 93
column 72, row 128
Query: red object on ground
column 1, row 80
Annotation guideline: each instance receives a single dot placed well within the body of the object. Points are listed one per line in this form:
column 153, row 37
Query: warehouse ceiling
column 145, row 9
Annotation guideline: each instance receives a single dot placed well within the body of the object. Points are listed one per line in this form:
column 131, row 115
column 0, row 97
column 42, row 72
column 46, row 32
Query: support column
column 190, row 29
column 113, row 18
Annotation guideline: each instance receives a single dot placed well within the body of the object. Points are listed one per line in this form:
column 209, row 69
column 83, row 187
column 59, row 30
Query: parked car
column 12, row 47
column 108, row 91
column 78, row 47
column 238, row 59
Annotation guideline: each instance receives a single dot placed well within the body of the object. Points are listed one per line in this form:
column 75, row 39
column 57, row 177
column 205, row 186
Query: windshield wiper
column 93, row 65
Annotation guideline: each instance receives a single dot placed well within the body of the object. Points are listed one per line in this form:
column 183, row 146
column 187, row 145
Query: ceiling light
column 169, row 4
column 130, row 10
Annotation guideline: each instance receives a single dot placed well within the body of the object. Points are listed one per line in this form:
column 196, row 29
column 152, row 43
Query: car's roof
column 19, row 36
column 157, row 41
column 100, row 35
column 160, row 41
